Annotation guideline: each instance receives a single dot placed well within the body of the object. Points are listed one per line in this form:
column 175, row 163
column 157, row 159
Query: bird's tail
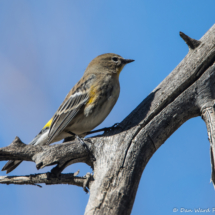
column 11, row 165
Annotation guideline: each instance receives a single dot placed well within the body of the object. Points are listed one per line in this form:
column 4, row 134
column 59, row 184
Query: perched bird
column 87, row 104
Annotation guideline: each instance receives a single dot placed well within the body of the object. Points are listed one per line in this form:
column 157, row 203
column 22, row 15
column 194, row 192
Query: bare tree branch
column 61, row 154
column 123, row 152
column 49, row 179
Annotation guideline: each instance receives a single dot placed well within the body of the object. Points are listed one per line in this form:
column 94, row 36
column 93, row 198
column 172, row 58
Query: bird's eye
column 115, row 59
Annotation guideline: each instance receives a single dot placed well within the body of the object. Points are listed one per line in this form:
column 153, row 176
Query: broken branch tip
column 192, row 43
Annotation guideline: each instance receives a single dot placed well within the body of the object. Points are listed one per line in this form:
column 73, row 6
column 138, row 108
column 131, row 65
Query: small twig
column 76, row 173
column 192, row 43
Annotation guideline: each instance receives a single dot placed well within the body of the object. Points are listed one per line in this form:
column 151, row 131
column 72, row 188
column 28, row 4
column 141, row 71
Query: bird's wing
column 77, row 97
column 66, row 113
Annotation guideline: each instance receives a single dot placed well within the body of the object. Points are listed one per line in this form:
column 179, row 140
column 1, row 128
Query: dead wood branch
column 49, row 179
column 122, row 154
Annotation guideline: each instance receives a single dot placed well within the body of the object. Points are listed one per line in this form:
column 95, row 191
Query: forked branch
column 122, row 153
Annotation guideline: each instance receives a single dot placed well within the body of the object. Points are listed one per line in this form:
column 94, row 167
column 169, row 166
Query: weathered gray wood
column 70, row 179
column 208, row 114
column 46, row 155
column 122, row 154
column 116, row 182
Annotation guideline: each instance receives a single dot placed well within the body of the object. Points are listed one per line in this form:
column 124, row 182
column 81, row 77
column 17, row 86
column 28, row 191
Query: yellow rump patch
column 48, row 124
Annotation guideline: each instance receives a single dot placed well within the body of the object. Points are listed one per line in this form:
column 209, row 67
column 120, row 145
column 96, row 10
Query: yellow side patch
column 48, row 124
column 92, row 95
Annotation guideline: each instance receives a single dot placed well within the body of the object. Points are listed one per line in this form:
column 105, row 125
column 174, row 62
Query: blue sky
column 45, row 47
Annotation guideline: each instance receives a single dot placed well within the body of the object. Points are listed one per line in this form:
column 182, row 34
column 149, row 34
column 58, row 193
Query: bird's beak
column 125, row 61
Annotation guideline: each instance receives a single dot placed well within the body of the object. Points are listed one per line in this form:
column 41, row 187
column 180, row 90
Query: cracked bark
column 47, row 179
column 208, row 114
column 122, row 153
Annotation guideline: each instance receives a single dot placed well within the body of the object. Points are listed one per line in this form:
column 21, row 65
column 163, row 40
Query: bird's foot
column 92, row 158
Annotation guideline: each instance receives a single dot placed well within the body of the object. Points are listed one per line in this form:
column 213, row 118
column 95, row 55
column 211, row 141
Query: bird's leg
column 103, row 129
column 67, row 139
column 83, row 144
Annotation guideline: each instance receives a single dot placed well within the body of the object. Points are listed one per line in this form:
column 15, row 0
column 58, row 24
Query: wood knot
column 17, row 142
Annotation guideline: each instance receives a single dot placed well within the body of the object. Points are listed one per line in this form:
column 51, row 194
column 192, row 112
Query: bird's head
column 108, row 63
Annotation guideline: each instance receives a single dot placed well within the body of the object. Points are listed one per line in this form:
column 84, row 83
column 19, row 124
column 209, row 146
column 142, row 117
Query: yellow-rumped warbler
column 87, row 104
